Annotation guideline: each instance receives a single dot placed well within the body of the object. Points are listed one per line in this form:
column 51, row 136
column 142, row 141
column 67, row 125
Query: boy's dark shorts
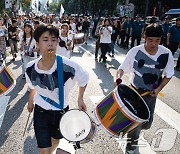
column 46, row 125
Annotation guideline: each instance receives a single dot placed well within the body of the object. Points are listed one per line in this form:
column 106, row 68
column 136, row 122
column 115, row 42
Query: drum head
column 79, row 35
column 75, row 125
column 133, row 101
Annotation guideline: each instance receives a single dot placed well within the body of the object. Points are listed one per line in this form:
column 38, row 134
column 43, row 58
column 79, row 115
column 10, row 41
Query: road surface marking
column 86, row 50
column 3, row 104
column 168, row 114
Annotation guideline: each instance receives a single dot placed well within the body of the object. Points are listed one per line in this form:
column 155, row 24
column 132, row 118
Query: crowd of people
column 107, row 31
column 40, row 39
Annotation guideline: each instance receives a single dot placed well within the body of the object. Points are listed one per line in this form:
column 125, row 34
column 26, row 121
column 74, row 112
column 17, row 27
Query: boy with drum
column 152, row 67
column 42, row 78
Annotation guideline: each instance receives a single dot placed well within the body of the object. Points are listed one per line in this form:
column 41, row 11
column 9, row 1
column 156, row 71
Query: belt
column 42, row 109
column 50, row 101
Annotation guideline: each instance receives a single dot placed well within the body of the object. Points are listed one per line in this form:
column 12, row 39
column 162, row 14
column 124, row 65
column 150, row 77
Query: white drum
column 77, row 126
column 79, row 39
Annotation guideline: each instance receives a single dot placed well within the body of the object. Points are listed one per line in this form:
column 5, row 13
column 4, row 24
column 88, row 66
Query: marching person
column 3, row 34
column 136, row 31
column 27, row 46
column 13, row 33
column 65, row 45
column 166, row 26
column 115, row 33
column 173, row 38
column 152, row 67
column 97, row 35
column 42, row 77
column 85, row 28
column 105, row 39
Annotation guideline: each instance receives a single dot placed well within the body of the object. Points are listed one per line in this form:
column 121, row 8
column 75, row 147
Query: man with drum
column 152, row 67
column 45, row 76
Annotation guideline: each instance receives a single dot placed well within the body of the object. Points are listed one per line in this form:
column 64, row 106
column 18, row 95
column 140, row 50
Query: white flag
column 7, row 4
column 61, row 11
column 20, row 11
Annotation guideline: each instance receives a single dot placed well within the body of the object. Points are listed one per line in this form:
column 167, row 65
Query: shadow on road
column 105, row 76
column 30, row 145
column 13, row 111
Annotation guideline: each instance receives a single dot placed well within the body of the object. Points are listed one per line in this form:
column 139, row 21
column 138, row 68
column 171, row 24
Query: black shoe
column 112, row 55
column 100, row 59
column 15, row 55
column 13, row 59
column 23, row 77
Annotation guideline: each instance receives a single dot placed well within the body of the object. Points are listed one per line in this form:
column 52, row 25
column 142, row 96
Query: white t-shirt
column 25, row 47
column 62, row 50
column 46, row 82
column 73, row 27
column 147, row 69
column 106, row 36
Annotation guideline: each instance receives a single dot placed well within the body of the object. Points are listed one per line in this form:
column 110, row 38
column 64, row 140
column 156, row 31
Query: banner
column 61, row 11
column 20, row 11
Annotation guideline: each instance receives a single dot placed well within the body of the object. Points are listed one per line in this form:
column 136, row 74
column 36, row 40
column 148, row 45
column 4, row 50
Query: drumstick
column 148, row 92
column 26, row 124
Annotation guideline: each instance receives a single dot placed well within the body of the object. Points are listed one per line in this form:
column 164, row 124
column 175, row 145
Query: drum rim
column 11, row 87
column 130, row 114
column 61, row 119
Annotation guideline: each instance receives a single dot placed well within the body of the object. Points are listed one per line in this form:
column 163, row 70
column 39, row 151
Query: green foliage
column 2, row 6
column 54, row 7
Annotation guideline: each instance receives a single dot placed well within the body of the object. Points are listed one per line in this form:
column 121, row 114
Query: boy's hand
column 81, row 104
column 30, row 107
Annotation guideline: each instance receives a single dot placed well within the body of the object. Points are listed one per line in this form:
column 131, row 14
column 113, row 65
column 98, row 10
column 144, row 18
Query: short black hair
column 36, row 22
column 154, row 30
column 44, row 28
column 14, row 21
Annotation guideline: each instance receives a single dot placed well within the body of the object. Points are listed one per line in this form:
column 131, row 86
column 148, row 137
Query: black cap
column 168, row 17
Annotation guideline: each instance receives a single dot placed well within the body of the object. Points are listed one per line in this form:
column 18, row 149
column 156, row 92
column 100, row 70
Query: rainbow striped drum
column 121, row 111
column 7, row 82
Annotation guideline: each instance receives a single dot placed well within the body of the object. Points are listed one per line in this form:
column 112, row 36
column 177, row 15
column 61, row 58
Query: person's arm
column 30, row 105
column 119, row 75
column 81, row 104
column 130, row 31
column 168, row 37
column 160, row 87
